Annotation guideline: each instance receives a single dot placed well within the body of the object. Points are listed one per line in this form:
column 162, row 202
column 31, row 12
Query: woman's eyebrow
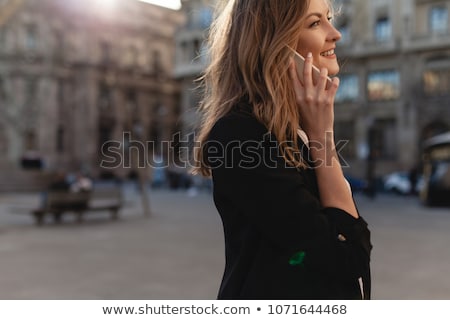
column 317, row 14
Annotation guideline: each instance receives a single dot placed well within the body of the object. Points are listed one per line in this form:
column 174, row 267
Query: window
column 104, row 134
column 383, row 85
column 155, row 131
column 436, row 82
column 344, row 135
column 348, row 88
column 104, row 99
column 2, row 35
column 158, row 67
column 438, row 19
column 31, row 105
column 2, row 90
column 383, row 29
column 199, row 19
column 105, row 49
column 132, row 56
column 31, row 91
column 344, row 29
column 206, row 17
column 31, row 37
column 132, row 105
column 30, row 140
column 385, row 139
column 59, row 45
column 3, row 141
column 60, row 147
column 184, row 52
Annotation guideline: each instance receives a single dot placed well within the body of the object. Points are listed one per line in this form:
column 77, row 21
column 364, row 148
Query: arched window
column 438, row 19
column 3, row 141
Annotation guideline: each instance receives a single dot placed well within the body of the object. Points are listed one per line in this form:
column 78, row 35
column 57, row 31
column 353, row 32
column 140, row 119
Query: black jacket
column 280, row 243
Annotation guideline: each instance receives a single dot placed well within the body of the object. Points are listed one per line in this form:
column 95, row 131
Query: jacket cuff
column 346, row 225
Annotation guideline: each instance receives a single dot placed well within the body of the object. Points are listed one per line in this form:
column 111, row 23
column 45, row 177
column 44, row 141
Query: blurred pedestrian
column 292, row 230
column 82, row 183
column 413, row 177
column 59, row 182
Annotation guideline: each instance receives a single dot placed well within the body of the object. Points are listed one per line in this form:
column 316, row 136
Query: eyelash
column 316, row 23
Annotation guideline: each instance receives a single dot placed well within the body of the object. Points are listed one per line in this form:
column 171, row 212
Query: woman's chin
column 333, row 71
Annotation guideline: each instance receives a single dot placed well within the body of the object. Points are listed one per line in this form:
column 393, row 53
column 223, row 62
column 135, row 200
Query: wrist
column 321, row 141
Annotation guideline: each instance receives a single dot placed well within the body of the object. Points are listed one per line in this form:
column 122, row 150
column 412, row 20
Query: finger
column 334, row 87
column 323, row 78
column 307, row 71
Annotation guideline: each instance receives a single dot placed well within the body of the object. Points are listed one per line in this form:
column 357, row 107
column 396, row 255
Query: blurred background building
column 395, row 77
column 191, row 57
column 75, row 74
column 395, row 80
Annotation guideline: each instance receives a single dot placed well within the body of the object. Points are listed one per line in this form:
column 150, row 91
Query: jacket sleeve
column 250, row 173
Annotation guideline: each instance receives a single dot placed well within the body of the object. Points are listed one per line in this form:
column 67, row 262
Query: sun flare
column 171, row 4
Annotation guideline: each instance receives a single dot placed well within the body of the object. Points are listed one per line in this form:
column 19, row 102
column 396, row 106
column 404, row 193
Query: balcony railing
column 427, row 41
column 406, row 43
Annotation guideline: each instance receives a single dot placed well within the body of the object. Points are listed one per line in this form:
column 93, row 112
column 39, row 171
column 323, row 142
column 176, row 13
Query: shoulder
column 237, row 125
column 237, row 140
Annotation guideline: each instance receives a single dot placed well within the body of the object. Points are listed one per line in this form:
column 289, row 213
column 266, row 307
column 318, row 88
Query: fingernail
column 309, row 55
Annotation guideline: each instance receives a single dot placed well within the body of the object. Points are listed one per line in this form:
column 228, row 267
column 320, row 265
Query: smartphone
column 300, row 62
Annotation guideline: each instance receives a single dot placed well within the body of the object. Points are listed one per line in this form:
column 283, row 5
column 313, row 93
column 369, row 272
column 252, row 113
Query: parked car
column 399, row 182
column 357, row 184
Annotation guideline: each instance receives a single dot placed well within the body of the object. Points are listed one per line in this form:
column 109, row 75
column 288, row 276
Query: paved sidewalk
column 178, row 252
column 175, row 254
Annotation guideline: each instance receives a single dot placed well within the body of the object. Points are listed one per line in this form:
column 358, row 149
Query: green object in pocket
column 297, row 258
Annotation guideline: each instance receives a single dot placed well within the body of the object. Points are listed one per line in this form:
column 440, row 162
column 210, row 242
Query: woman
column 292, row 230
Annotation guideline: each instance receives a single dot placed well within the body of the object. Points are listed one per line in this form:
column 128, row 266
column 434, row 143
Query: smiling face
column 319, row 36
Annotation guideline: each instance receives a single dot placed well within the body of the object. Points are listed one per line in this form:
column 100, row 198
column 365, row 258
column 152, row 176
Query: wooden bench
column 79, row 203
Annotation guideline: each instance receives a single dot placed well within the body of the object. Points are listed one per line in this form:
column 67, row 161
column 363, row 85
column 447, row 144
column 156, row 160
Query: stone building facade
column 191, row 58
column 395, row 80
column 395, row 77
column 75, row 74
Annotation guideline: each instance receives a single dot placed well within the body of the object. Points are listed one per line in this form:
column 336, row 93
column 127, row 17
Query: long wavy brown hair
column 249, row 60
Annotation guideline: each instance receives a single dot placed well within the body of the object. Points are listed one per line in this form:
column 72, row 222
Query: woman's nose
column 334, row 34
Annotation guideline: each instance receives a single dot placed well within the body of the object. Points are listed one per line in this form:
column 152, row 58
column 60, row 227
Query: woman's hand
column 316, row 105
column 315, row 102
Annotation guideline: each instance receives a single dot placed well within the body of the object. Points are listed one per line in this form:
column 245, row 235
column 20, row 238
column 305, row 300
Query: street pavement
column 178, row 252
